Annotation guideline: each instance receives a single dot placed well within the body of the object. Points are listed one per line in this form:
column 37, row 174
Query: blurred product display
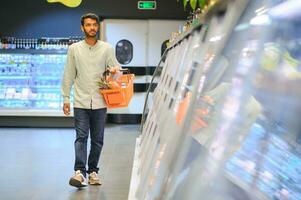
column 44, row 43
column 30, row 74
column 224, row 120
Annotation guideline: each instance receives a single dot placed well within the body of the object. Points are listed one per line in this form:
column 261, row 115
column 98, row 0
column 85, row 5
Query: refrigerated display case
column 30, row 76
column 240, row 135
column 172, row 97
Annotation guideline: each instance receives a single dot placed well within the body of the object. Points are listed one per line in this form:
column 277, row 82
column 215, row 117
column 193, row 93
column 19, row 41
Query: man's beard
column 91, row 33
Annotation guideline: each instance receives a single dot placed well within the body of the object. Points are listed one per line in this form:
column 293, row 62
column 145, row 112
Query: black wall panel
column 36, row 18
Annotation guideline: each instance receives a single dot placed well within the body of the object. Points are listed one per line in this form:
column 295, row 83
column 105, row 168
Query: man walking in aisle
column 86, row 62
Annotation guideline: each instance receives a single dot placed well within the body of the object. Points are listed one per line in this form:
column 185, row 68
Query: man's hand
column 66, row 109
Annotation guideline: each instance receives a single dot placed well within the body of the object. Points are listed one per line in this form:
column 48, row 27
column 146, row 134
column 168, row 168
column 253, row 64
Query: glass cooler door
column 243, row 137
column 30, row 83
column 163, row 131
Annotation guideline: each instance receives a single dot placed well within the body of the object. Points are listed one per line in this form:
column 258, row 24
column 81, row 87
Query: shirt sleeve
column 69, row 75
column 111, row 59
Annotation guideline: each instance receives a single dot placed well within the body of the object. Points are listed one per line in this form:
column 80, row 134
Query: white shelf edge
column 135, row 177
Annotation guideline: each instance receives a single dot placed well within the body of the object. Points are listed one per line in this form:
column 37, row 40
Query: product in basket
column 110, row 80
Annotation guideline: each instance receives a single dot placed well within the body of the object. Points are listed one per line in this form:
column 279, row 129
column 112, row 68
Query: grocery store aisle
column 35, row 164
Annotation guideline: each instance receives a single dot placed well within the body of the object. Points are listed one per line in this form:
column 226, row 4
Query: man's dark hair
column 89, row 15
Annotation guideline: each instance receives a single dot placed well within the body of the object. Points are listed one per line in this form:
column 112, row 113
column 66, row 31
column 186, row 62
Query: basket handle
column 125, row 70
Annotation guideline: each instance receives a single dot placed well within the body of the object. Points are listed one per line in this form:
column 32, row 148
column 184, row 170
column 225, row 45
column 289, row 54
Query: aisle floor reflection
column 36, row 164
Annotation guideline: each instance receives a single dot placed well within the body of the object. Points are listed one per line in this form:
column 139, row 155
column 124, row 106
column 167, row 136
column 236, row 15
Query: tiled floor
column 35, row 164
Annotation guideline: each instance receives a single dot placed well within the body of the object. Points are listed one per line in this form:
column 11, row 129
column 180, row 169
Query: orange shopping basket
column 120, row 97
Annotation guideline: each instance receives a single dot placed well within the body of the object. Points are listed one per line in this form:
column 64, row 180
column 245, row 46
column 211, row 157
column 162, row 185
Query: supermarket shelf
column 257, row 194
column 32, row 112
column 33, row 51
column 12, row 77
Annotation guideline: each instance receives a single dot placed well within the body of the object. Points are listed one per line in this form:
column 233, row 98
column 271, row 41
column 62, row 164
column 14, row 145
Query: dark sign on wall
column 61, row 18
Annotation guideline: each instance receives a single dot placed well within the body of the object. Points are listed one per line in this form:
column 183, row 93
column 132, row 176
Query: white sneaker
column 94, row 179
column 78, row 180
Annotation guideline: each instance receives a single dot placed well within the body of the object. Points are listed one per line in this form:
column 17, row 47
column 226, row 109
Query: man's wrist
column 67, row 100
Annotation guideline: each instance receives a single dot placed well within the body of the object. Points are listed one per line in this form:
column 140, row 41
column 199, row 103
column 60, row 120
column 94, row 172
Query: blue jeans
column 86, row 120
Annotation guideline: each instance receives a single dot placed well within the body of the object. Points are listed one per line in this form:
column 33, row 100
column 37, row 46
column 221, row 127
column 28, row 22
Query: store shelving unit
column 223, row 120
